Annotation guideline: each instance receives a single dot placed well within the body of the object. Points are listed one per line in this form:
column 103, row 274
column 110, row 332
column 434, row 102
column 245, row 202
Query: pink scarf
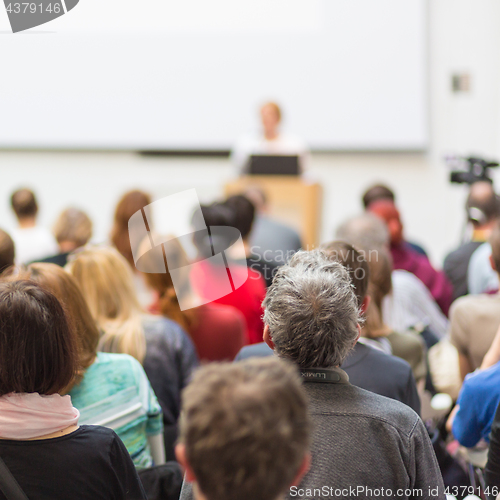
column 27, row 416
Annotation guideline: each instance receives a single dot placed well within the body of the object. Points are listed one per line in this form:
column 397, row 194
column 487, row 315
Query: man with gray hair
column 364, row 445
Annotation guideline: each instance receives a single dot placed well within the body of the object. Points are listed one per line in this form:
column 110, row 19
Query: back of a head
column 38, row 348
column 482, row 203
column 214, row 215
column 129, row 204
column 244, row 213
column 73, row 226
column 354, row 261
column 24, row 204
column 311, row 311
column 7, row 251
column 257, row 196
column 66, row 289
column 365, row 231
column 377, row 192
column 245, row 429
column 106, row 282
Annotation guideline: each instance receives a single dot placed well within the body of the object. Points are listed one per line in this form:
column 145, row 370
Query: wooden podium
column 292, row 200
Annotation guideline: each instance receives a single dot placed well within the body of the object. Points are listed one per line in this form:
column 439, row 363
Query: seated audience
column 7, row 251
column 32, row 241
column 42, row 444
column 367, row 367
column 72, row 230
column 110, row 387
column 382, row 192
column 474, row 319
column 217, row 331
column 272, row 240
column 230, row 416
column 312, row 318
column 408, row 259
column 210, row 280
column 270, row 141
column 244, row 215
column 165, row 350
column 482, row 210
column 409, row 306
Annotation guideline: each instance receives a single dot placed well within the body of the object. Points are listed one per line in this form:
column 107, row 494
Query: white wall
column 463, row 36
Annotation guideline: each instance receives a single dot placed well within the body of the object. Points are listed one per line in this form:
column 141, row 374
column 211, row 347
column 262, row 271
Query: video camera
column 470, row 170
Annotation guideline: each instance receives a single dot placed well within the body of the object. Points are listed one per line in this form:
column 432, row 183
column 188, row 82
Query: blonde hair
column 73, row 225
column 106, row 281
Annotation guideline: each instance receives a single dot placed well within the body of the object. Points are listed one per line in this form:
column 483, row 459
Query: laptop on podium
column 273, row 165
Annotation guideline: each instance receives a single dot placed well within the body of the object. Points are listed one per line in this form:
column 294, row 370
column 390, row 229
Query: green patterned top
column 115, row 393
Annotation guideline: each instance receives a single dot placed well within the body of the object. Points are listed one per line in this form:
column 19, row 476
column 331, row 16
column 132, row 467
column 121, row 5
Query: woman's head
column 106, row 281
column 163, row 284
column 67, row 291
column 38, row 348
column 129, row 204
column 380, row 285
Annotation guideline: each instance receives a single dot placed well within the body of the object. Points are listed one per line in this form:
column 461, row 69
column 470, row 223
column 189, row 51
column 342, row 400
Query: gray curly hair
column 311, row 311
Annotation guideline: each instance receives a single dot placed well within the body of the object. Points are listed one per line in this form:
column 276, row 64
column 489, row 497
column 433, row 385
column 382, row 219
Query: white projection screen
column 190, row 74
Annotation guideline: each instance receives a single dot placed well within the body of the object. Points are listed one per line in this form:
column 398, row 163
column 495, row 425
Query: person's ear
column 492, row 264
column 267, row 337
column 304, row 467
column 359, row 334
column 365, row 304
column 180, row 454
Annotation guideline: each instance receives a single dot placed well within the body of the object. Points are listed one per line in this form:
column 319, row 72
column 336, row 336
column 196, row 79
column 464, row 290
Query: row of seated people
column 402, row 317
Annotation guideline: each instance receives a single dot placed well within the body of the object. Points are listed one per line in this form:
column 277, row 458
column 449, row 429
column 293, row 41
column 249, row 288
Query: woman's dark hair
column 244, row 213
column 38, row 349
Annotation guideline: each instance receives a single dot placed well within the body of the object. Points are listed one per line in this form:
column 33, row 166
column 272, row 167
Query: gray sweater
column 363, row 445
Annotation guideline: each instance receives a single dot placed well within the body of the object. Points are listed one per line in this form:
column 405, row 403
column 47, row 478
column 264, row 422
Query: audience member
column 408, row 259
column 210, row 279
column 129, row 204
column 367, row 367
column 32, row 241
column 7, row 251
column 217, row 331
column 382, row 192
column 112, row 389
column 47, row 452
column 474, row 319
column 270, row 141
column 482, row 210
column 375, row 331
column 312, row 318
column 481, row 277
column 165, row 350
column 244, row 216
column 271, row 239
column 409, row 306
column 245, row 431
column 72, row 230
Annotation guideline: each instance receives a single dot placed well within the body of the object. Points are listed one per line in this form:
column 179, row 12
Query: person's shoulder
column 468, row 303
column 388, row 361
column 156, row 325
column 116, row 359
column 482, row 380
column 95, row 435
column 254, row 351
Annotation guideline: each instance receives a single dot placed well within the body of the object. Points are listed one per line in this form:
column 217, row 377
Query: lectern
column 292, row 200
